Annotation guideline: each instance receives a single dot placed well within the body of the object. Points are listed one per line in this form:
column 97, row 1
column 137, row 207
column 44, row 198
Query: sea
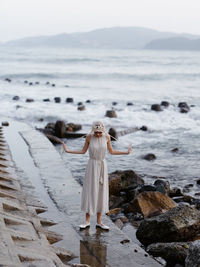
column 104, row 76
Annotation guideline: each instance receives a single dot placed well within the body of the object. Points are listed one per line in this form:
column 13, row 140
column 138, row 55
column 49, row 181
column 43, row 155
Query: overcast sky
column 21, row 18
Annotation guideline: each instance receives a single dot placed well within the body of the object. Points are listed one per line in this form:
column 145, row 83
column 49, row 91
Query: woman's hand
column 130, row 148
column 64, row 146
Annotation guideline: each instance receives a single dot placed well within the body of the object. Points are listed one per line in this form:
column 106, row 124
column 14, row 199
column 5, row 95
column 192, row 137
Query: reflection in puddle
column 93, row 251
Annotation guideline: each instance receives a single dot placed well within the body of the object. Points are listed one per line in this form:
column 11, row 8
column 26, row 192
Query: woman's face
column 98, row 134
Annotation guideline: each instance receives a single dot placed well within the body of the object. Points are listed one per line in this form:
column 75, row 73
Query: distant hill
column 176, row 43
column 114, row 38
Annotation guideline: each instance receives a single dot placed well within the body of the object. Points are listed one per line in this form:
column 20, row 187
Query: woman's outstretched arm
column 84, row 149
column 115, row 152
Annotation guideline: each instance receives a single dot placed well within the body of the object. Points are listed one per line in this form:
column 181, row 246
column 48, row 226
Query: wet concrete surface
column 39, row 163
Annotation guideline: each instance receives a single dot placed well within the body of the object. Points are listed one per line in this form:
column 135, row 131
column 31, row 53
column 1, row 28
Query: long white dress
column 95, row 186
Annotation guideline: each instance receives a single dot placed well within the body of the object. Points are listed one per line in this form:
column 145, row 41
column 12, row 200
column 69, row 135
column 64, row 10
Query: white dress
column 95, row 186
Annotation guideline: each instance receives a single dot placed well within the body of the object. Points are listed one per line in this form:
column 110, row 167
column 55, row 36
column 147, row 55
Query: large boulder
column 181, row 223
column 193, row 257
column 60, row 129
column 183, row 107
column 156, row 107
column 151, row 203
column 122, row 180
column 173, row 253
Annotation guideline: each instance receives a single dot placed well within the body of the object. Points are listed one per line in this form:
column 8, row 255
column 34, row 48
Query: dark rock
column 132, row 194
column 129, row 104
column 163, row 183
column 113, row 134
column 125, row 241
column 172, row 253
column 151, row 203
column 114, row 103
column 25, row 81
column 46, row 100
column 67, row 86
column 53, row 85
column 156, row 107
column 41, row 119
column 120, row 180
column 165, row 104
column 29, row 100
column 88, row 101
column 57, row 99
column 71, row 127
column 16, row 97
column 37, row 83
column 144, row 128
column 193, row 259
column 5, row 123
column 146, row 188
column 111, row 114
column 175, row 192
column 69, row 100
column 47, row 83
column 81, row 108
column 8, row 80
column 198, row 181
column 181, row 223
column 183, row 107
column 18, row 106
column 175, row 150
column 80, row 104
column 30, row 83
column 115, row 202
column 149, row 156
column 60, row 129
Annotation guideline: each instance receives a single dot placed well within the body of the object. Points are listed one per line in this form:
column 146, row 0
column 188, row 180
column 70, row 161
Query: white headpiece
column 98, row 126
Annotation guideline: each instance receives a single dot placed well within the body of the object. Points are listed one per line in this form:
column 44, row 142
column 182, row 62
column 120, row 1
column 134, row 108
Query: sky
column 24, row 18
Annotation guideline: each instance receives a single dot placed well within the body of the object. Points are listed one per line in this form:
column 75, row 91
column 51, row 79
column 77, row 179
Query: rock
column 81, row 108
column 172, row 253
column 114, row 103
column 111, row 114
column 144, row 128
column 18, row 106
column 30, row 83
column 60, row 129
column 129, row 104
column 37, row 83
column 113, row 134
column 125, row 241
column 156, row 107
column 151, row 203
column 16, row 97
column 121, row 180
column 71, row 127
column 181, row 223
column 8, row 80
column 119, row 223
column 193, row 258
column 146, row 187
column 88, row 101
column 5, row 123
column 26, row 81
column 53, row 85
column 165, row 104
column 57, row 99
column 164, row 183
column 69, row 100
column 41, row 119
column 80, row 103
column 113, row 211
column 183, row 107
column 149, row 156
column 115, row 202
column 46, row 100
column 198, row 181
column 175, row 192
column 175, row 150
column 29, row 100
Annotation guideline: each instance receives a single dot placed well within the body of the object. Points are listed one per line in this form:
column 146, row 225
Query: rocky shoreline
column 167, row 220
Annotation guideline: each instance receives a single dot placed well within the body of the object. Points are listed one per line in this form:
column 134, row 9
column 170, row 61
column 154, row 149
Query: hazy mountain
column 117, row 37
column 176, row 43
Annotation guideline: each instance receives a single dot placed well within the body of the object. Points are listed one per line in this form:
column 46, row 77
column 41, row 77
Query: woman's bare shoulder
column 88, row 137
column 107, row 137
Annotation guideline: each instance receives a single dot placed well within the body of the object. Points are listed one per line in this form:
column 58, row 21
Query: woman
column 94, row 199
